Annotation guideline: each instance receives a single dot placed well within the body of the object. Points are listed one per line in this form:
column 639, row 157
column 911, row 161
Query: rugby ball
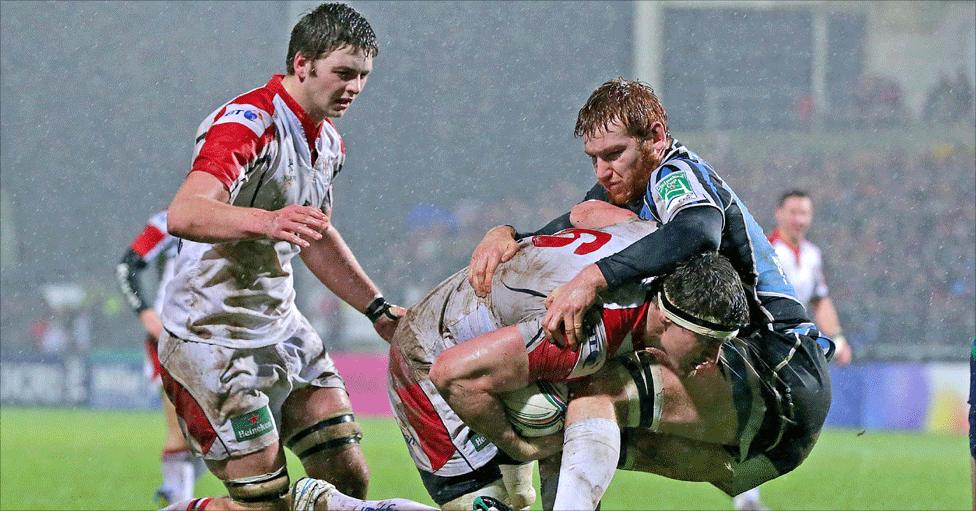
column 537, row 410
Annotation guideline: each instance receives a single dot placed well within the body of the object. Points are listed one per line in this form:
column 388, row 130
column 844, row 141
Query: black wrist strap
column 377, row 308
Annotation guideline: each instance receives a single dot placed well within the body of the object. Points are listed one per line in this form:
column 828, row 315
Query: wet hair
column 707, row 287
column 327, row 28
column 800, row 194
column 631, row 102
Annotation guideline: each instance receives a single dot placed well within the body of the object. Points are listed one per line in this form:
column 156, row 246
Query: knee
column 443, row 374
column 351, row 476
column 346, row 469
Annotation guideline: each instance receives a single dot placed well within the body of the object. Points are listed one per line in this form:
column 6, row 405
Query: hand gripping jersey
column 154, row 245
column 684, row 180
column 269, row 154
column 803, row 266
column 451, row 313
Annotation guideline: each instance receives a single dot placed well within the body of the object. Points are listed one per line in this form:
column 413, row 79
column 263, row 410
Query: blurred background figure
column 803, row 263
column 155, row 248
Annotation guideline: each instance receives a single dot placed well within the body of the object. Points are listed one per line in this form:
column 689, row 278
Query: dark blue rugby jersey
column 683, row 181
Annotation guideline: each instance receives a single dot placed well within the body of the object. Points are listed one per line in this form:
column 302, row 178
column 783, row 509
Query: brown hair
column 631, row 102
column 327, row 28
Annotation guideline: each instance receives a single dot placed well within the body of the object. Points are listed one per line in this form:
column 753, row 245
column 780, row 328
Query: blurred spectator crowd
column 897, row 227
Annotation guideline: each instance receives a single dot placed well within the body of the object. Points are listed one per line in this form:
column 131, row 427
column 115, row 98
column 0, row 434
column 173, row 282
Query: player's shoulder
column 254, row 110
column 634, row 229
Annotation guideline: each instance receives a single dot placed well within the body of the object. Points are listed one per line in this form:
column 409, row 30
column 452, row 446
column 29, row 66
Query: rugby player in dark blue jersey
column 776, row 376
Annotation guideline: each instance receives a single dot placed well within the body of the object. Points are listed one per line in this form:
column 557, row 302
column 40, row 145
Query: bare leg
column 330, row 437
column 253, row 480
column 698, row 407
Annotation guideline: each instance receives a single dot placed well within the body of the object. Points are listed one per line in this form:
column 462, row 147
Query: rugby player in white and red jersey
column 243, row 367
column 456, row 463
column 155, row 247
column 454, row 354
column 803, row 264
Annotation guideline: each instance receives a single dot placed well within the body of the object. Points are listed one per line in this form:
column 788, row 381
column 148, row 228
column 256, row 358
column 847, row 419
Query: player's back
column 452, row 313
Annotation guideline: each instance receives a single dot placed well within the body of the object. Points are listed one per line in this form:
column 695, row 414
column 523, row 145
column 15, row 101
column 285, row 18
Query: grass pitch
column 84, row 459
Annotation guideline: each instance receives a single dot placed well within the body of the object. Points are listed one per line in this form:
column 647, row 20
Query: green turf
column 81, row 459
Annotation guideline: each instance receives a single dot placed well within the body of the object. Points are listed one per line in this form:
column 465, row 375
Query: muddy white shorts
column 229, row 399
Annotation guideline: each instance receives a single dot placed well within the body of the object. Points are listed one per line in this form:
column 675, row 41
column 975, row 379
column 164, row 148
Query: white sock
column 518, row 484
column 178, row 475
column 337, row 501
column 591, row 449
column 746, row 499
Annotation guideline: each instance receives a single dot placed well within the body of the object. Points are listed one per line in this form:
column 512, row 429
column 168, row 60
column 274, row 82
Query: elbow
column 179, row 225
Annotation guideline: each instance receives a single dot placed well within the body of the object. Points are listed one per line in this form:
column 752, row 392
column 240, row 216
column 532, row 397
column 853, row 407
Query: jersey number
column 567, row 236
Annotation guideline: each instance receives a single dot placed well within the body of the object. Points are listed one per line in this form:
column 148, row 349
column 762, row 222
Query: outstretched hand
column 567, row 305
column 297, row 225
column 498, row 246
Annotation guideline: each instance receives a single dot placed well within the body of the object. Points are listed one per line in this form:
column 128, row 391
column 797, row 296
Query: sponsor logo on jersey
column 675, row 189
column 252, row 424
column 253, row 118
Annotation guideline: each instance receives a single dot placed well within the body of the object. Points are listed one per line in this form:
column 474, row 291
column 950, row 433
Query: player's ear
column 301, row 65
column 658, row 137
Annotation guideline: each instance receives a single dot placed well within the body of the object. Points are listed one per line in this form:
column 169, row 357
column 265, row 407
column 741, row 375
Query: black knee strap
column 327, row 434
column 258, row 489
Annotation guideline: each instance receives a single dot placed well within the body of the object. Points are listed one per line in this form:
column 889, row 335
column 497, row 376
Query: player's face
column 683, row 350
column 794, row 217
column 622, row 163
column 334, row 81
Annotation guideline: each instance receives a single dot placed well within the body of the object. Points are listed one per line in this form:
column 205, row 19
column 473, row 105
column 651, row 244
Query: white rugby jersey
column 438, row 441
column 803, row 266
column 269, row 154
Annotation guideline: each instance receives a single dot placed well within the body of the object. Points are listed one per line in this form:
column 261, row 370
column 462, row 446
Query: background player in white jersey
column 802, row 261
column 155, row 247
column 243, row 367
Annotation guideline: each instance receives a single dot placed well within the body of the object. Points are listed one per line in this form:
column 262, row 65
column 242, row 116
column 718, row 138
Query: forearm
column 472, row 376
column 334, row 264
column 825, row 316
column 691, row 232
column 209, row 220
